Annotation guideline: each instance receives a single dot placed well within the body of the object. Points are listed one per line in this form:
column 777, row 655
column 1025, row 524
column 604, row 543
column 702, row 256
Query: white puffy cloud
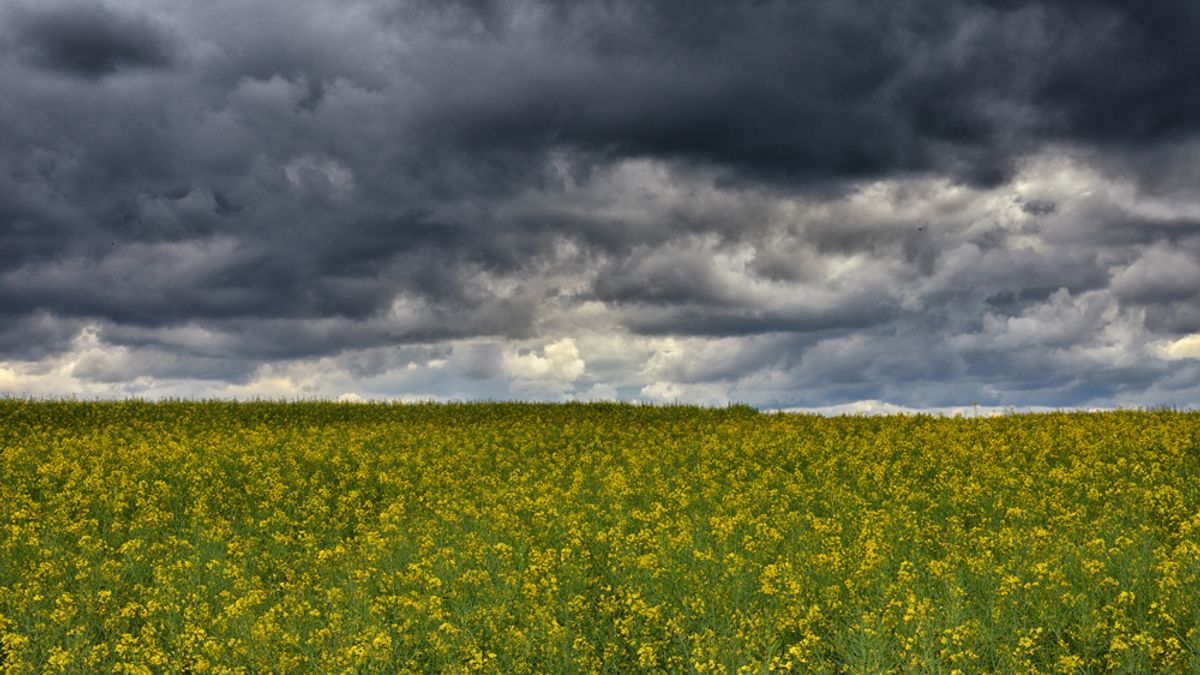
column 675, row 392
column 559, row 361
column 1187, row 347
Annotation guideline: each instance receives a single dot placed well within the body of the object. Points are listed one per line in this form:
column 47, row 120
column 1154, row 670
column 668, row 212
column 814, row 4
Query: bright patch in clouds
column 1184, row 348
column 559, row 360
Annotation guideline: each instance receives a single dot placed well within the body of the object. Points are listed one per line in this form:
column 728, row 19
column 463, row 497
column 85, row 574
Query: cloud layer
column 787, row 204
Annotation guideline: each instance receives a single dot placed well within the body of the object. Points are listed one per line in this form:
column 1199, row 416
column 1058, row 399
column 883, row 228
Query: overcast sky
column 926, row 203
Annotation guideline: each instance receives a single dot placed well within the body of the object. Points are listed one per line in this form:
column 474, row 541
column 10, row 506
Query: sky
column 917, row 204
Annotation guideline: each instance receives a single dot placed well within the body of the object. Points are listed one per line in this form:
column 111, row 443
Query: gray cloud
column 924, row 202
column 1159, row 276
column 89, row 40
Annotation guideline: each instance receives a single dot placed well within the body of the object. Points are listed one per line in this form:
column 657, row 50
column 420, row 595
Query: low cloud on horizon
column 791, row 205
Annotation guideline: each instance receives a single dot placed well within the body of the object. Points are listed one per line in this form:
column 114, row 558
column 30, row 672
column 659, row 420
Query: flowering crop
column 295, row 537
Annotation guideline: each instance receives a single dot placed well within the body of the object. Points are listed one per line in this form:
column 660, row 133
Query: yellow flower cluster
column 219, row 537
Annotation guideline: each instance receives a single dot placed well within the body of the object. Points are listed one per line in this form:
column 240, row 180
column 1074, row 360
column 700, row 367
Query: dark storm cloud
column 1127, row 80
column 90, row 40
column 37, row 335
column 726, row 322
column 792, row 92
column 220, row 185
column 808, row 92
column 1174, row 318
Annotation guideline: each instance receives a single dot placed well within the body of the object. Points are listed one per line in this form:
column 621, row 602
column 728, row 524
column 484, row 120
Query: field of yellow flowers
column 298, row 537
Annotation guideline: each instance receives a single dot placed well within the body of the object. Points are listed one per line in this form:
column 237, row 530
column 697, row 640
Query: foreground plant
column 297, row 537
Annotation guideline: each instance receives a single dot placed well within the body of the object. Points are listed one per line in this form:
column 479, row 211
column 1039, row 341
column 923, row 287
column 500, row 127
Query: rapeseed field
column 220, row 537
